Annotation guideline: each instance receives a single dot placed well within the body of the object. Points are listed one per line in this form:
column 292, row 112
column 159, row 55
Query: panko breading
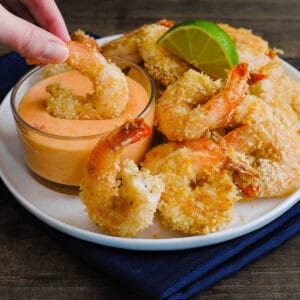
column 195, row 103
column 119, row 197
column 125, row 46
column 83, row 38
column 79, row 36
column 63, row 104
column 271, row 147
column 280, row 92
column 163, row 66
column 199, row 193
column 251, row 48
column 111, row 92
column 53, row 69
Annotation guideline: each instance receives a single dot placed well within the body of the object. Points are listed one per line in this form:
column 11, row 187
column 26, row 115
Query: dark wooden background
column 33, row 266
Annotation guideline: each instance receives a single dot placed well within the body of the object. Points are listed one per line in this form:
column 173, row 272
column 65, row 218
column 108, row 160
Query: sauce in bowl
column 58, row 149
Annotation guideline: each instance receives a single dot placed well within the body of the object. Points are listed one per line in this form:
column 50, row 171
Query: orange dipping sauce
column 61, row 154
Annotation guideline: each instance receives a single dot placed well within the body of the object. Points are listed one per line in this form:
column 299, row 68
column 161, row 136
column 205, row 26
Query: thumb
column 29, row 40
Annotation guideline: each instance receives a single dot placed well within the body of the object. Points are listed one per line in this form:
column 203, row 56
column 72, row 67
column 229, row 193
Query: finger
column 48, row 16
column 30, row 40
column 18, row 9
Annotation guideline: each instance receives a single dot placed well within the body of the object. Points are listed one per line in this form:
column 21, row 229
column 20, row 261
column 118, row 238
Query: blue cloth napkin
column 165, row 275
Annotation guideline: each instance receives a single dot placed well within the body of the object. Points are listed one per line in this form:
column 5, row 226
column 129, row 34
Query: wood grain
column 33, row 266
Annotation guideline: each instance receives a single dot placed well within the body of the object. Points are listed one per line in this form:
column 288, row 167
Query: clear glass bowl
column 62, row 159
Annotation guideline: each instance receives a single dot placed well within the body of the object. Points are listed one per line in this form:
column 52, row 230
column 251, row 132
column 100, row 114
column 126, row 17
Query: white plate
column 67, row 214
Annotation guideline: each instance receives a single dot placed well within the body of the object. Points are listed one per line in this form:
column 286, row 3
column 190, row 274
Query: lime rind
column 217, row 44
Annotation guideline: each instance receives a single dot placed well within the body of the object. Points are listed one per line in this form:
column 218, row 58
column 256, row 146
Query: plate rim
column 163, row 244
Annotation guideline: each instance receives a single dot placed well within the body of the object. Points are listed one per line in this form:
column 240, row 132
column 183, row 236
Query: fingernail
column 55, row 52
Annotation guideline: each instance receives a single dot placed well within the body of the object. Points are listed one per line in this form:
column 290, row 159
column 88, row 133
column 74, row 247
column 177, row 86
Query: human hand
column 34, row 28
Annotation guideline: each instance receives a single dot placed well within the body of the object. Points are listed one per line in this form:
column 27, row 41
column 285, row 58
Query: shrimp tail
column 84, row 58
column 129, row 133
column 33, row 61
column 245, row 178
column 126, row 134
column 120, row 198
column 255, row 77
column 237, row 84
column 166, row 23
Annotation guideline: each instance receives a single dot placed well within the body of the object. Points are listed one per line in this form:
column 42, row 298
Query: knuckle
column 32, row 43
column 26, row 42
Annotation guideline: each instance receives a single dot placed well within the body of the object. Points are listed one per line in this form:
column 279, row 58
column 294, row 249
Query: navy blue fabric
column 12, row 67
column 182, row 274
column 166, row 275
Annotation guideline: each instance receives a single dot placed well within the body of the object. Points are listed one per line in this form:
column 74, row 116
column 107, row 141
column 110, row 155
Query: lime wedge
column 202, row 44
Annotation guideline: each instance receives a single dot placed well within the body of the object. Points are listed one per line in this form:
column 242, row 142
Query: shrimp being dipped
column 119, row 197
column 271, row 148
column 200, row 193
column 111, row 91
column 181, row 114
column 110, row 95
column 79, row 36
column 83, row 38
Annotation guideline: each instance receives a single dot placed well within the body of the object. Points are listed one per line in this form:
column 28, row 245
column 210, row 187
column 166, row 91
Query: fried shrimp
column 53, row 69
column 110, row 84
column 199, row 192
column 251, row 48
column 271, row 148
column 83, row 38
column 181, row 113
column 280, row 92
column 119, row 197
column 79, row 36
column 163, row 66
column 126, row 46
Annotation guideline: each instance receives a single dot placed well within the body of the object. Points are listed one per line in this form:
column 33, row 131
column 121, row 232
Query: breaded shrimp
column 271, row 147
column 64, row 104
column 79, row 36
column 163, row 66
column 126, row 46
column 280, row 92
column 53, row 69
column 251, row 48
column 181, row 113
column 83, row 38
column 110, row 84
column 119, row 197
column 199, row 192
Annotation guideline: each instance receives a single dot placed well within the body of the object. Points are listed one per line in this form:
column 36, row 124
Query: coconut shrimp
column 251, row 48
column 119, row 197
column 124, row 46
column 83, row 38
column 110, row 87
column 79, row 36
column 181, row 114
column 280, row 92
column 163, row 66
column 271, row 147
column 53, row 69
column 199, row 192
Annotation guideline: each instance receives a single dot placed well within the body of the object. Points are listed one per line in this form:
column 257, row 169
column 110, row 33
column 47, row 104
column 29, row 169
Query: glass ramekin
column 62, row 159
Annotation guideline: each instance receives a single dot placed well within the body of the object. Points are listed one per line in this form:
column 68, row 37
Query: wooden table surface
column 33, row 266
